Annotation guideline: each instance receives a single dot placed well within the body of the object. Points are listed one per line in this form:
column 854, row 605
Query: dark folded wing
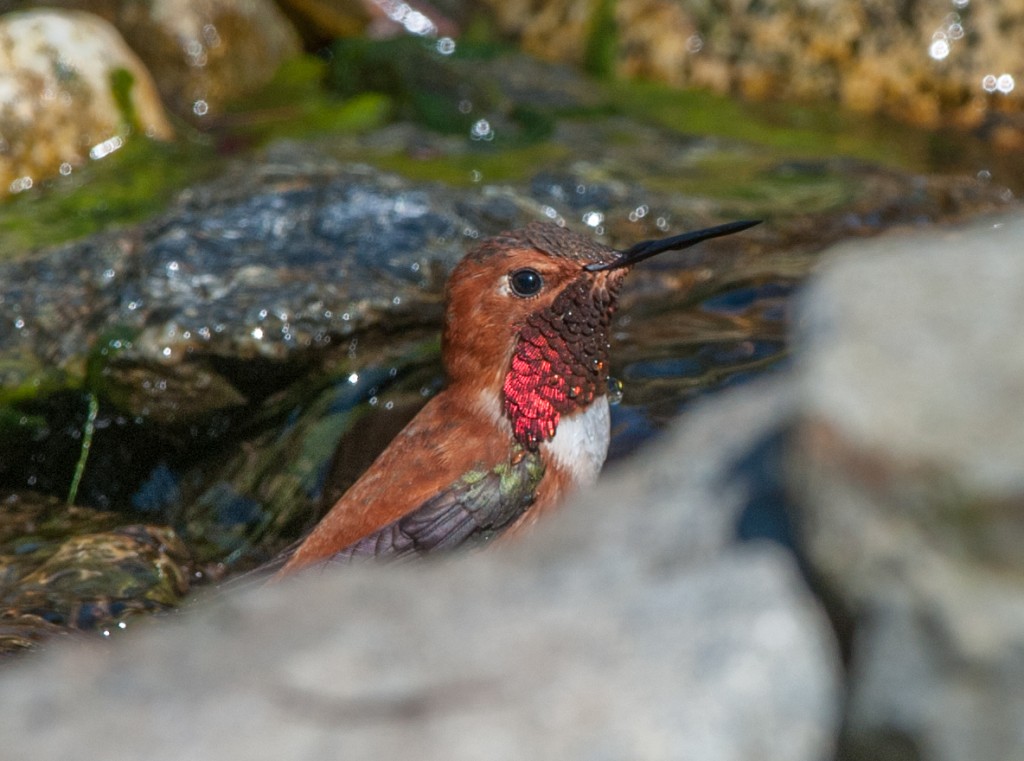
column 471, row 511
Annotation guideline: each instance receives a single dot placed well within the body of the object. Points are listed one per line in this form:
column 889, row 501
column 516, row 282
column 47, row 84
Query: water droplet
column 639, row 212
column 21, row 184
column 481, row 130
column 211, row 35
column 104, row 149
column 615, row 391
column 939, row 48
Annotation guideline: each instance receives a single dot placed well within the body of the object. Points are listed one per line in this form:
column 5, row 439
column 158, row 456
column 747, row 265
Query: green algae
column 121, row 81
column 601, row 50
column 746, row 181
column 25, row 377
column 423, row 86
column 296, row 104
column 130, row 185
column 791, row 130
column 469, row 168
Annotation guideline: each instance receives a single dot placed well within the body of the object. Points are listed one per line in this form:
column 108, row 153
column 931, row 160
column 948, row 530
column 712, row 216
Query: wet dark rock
column 65, row 568
column 264, row 265
column 281, row 260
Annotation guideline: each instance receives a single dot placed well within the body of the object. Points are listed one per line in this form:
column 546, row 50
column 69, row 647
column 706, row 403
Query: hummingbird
column 523, row 418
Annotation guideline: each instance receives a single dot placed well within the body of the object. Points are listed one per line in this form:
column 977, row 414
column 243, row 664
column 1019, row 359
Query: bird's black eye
column 525, row 282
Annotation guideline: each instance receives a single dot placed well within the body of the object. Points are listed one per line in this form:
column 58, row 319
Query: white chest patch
column 581, row 441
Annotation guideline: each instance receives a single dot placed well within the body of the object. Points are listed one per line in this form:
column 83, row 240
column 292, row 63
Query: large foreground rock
column 627, row 628
column 908, row 465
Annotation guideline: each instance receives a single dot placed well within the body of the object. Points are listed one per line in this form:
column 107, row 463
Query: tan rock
column 202, row 53
column 931, row 63
column 60, row 99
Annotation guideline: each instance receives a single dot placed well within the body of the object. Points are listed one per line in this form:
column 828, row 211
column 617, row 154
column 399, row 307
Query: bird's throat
column 560, row 362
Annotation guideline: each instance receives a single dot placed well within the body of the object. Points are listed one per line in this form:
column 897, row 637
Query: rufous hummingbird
column 523, row 418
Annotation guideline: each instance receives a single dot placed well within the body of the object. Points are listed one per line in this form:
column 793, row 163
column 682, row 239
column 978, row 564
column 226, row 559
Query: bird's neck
column 579, row 445
column 553, row 375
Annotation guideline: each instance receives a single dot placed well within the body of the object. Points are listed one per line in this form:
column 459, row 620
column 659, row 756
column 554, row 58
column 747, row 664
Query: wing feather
column 469, row 512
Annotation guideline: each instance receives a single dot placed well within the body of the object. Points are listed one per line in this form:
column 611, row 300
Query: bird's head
column 528, row 315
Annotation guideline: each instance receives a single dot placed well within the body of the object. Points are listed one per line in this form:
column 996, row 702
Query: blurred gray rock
column 907, row 464
column 629, row 627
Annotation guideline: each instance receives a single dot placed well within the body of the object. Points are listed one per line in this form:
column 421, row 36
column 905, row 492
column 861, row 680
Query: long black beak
column 649, row 248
